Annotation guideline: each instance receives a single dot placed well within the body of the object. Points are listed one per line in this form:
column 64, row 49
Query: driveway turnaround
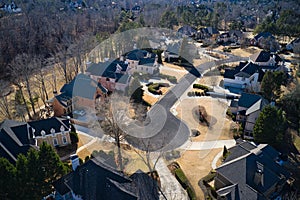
column 162, row 131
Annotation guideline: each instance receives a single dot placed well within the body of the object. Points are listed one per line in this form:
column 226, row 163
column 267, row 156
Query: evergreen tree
column 135, row 90
column 271, row 83
column 7, row 180
column 33, row 175
column 51, row 167
column 270, row 126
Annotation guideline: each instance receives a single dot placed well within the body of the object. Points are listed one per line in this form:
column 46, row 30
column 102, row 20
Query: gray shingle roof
column 47, row 124
column 14, row 139
column 241, row 168
column 96, row 180
column 247, row 100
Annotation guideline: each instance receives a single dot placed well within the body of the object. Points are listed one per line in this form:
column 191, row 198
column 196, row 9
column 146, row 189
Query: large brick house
column 81, row 93
column 112, row 75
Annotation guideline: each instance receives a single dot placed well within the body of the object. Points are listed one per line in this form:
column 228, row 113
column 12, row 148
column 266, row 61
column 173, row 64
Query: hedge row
column 180, row 176
column 154, row 87
column 172, row 79
column 202, row 87
column 192, row 94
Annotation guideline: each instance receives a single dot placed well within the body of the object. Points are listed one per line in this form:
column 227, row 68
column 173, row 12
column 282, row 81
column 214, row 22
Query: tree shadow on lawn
column 201, row 116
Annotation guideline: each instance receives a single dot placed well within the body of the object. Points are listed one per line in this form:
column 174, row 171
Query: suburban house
column 247, row 76
column 247, row 109
column 207, row 33
column 233, row 36
column 13, row 141
column 252, row 172
column 142, row 61
column 18, row 137
column 77, row 4
column 268, row 61
column 265, row 40
column 96, row 180
column 295, row 43
column 171, row 53
column 11, row 8
column 187, row 31
column 81, row 92
column 136, row 10
column 54, row 131
column 113, row 75
column 256, row 41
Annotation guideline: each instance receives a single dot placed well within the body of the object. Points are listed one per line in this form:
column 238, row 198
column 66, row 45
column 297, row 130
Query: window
column 62, row 129
column 64, row 140
column 52, row 131
column 43, row 133
column 55, row 143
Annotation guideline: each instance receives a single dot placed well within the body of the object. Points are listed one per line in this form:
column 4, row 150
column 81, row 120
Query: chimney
column 75, row 161
column 258, row 177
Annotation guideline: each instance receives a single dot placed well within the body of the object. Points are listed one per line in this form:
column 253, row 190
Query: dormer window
column 43, row 133
column 62, row 129
column 52, row 131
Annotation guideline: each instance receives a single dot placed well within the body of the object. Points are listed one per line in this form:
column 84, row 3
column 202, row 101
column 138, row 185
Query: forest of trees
column 32, row 176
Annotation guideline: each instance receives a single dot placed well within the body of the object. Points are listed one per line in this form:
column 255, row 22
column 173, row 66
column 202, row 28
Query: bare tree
column 110, row 127
column 5, row 109
column 22, row 67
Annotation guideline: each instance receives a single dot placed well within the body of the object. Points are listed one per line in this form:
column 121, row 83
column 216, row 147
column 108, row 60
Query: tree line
column 32, row 176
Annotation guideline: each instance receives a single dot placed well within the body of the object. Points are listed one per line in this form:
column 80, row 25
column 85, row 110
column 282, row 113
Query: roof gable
column 263, row 35
column 48, row 124
column 247, row 100
column 253, row 172
column 96, row 180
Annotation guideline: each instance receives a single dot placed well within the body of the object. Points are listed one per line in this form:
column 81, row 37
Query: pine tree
column 270, row 126
column 7, row 180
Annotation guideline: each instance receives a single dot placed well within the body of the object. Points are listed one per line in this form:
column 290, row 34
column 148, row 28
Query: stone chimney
column 75, row 161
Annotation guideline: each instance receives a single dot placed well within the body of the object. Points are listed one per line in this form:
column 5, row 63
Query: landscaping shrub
column 209, row 177
column 191, row 193
column 74, row 137
column 154, row 88
column 181, row 178
column 202, row 87
column 172, row 79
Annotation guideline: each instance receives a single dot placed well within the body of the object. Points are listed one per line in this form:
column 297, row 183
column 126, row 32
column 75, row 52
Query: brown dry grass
column 150, row 99
column 172, row 66
column 48, row 82
column 83, row 139
column 196, row 165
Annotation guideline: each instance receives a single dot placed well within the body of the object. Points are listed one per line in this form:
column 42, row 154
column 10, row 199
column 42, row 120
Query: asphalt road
column 162, row 131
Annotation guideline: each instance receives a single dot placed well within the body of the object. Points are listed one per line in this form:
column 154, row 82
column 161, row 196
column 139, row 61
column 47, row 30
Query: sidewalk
column 206, row 145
